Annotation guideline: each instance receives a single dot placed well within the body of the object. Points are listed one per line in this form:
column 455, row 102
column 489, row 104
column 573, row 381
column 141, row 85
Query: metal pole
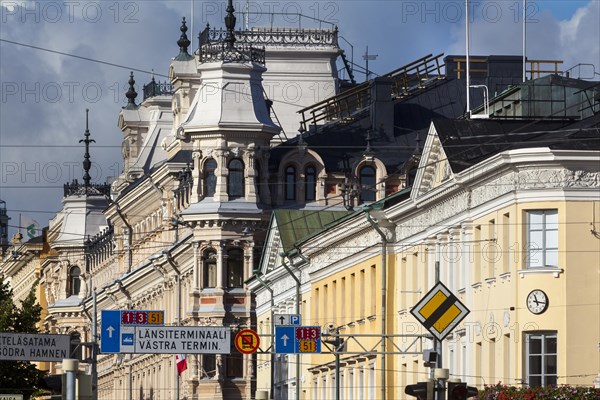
column 95, row 347
column 524, row 40
column 337, row 364
column 383, row 300
column 298, row 283
column 468, row 63
column 70, row 367
column 440, row 393
column 264, row 284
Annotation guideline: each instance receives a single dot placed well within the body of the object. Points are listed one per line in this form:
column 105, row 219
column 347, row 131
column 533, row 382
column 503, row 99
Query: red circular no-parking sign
column 247, row 341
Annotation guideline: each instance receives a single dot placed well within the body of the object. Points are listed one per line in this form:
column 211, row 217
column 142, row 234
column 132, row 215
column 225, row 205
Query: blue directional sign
column 285, row 339
column 293, row 339
column 110, row 335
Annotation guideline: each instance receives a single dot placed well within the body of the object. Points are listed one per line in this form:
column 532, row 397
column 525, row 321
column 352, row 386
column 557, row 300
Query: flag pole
column 524, row 40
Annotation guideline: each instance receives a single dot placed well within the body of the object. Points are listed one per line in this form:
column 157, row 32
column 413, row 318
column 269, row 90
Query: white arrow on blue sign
column 110, row 336
column 285, row 339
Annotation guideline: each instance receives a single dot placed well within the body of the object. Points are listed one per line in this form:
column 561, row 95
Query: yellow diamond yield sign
column 440, row 311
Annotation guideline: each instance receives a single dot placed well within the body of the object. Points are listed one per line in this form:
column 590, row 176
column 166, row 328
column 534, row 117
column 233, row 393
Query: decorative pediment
column 434, row 166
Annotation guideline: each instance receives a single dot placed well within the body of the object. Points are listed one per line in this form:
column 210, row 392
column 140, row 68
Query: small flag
column 181, row 363
column 32, row 228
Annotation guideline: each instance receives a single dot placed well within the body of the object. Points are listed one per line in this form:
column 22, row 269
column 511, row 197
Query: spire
column 369, row 150
column 183, row 43
column 131, row 94
column 86, row 157
column 230, row 25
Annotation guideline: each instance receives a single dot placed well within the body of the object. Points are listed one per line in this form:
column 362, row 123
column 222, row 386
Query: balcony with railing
column 304, row 37
column 75, row 188
column 157, row 89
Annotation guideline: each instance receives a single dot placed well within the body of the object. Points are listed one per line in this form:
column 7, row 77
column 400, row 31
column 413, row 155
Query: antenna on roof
column 467, row 54
column 368, row 57
column 524, row 40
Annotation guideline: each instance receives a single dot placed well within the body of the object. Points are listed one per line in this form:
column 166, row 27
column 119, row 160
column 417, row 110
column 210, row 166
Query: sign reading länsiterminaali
column 182, row 340
column 34, row 347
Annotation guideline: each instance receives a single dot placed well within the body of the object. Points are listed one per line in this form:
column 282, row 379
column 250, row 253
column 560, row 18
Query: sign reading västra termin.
column 34, row 347
column 181, row 340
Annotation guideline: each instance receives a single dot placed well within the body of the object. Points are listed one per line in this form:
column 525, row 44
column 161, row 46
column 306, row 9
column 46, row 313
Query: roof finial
column 86, row 157
column 131, row 94
column 230, row 24
column 183, row 43
column 368, row 150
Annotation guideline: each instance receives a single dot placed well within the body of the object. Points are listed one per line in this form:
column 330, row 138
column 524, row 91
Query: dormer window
column 235, row 180
column 210, row 179
column 367, row 184
column 290, row 183
column 74, row 281
column 310, row 183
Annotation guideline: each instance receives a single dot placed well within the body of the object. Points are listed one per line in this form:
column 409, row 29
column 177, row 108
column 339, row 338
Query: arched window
column 74, row 281
column 310, row 183
column 290, row 183
column 210, row 179
column 367, row 183
column 235, row 268
column 235, row 181
column 210, row 269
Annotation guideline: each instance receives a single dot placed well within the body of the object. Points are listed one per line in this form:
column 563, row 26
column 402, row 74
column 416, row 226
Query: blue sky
column 44, row 95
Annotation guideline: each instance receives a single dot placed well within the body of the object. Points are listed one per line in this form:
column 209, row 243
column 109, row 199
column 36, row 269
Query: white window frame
column 537, row 250
column 544, row 336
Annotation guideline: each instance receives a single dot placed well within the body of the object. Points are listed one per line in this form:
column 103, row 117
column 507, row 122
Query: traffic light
column 420, row 390
column 460, row 391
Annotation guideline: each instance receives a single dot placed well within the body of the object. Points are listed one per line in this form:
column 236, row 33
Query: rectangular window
column 334, row 302
column 491, row 247
column 352, row 296
column 506, row 253
column 343, row 311
column 477, row 254
column 317, row 306
column 541, row 359
column 362, row 299
column 373, row 284
column 542, row 238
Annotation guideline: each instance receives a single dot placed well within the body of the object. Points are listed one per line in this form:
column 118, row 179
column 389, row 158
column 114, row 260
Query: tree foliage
column 18, row 376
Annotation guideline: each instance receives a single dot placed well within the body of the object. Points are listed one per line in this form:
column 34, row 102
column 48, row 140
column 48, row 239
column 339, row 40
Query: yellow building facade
column 515, row 235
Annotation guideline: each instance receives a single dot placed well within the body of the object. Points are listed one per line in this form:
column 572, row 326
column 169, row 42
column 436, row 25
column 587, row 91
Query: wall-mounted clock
column 537, row 301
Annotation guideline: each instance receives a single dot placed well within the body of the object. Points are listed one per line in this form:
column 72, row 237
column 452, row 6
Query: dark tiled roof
column 342, row 144
column 467, row 142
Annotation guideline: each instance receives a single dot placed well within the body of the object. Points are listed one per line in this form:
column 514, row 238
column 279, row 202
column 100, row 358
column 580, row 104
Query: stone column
column 221, row 265
column 196, row 176
column 221, row 172
column 250, row 174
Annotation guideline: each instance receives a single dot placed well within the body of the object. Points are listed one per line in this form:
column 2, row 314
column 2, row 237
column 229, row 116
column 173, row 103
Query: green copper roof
column 295, row 225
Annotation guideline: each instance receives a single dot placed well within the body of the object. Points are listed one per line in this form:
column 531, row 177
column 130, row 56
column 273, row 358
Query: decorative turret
column 223, row 49
column 131, row 94
column 183, row 44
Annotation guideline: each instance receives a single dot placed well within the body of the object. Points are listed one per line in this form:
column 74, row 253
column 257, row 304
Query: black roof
column 340, row 145
column 467, row 142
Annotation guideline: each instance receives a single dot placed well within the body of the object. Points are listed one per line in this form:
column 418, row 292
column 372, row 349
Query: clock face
column 537, row 301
